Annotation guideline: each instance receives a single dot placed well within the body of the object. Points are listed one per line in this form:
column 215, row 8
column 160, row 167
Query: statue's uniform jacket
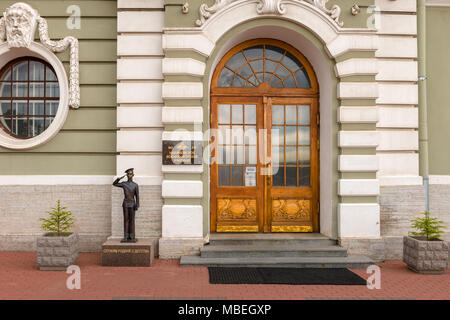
column 131, row 191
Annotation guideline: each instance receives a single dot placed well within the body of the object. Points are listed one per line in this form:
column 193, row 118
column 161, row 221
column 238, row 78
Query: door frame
column 233, row 191
column 262, row 92
column 314, row 193
column 264, row 183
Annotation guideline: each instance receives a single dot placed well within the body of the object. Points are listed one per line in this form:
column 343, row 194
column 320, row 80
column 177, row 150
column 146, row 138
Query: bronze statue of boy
column 130, row 204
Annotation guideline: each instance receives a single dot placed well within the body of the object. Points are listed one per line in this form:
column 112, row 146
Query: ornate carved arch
column 269, row 7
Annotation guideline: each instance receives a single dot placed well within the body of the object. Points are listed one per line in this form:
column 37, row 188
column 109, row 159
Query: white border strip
column 413, row 180
column 182, row 168
column 400, row 180
column 434, row 179
column 437, row 3
column 71, row 180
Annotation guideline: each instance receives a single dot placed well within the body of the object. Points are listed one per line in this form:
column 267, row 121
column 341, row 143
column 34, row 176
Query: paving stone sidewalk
column 19, row 279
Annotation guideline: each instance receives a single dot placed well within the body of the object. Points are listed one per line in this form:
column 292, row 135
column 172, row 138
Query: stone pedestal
column 117, row 254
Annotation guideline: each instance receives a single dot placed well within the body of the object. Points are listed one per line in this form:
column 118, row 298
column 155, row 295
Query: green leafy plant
column 428, row 227
column 59, row 222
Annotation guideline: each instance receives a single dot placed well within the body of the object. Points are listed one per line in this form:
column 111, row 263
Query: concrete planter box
column 427, row 257
column 56, row 253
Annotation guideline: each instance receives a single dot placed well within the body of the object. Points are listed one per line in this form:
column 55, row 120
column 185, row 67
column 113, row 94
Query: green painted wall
column 438, row 79
column 87, row 142
column 176, row 18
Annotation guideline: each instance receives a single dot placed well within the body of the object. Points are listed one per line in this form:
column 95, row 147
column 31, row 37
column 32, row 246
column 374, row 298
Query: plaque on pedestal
column 127, row 254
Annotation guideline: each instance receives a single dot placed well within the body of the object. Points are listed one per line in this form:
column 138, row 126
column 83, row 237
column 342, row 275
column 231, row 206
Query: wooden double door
column 265, row 164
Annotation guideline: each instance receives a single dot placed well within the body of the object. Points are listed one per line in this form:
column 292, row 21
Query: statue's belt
column 128, row 203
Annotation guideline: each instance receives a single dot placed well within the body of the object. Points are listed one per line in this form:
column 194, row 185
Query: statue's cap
column 129, row 170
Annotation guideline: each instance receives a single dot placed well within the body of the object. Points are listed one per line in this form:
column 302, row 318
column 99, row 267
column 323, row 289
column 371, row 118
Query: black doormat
column 295, row 276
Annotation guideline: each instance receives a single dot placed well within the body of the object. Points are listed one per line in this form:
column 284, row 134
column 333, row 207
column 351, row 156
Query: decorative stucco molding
column 334, row 12
column 18, row 26
column 60, row 46
column 268, row 7
column 206, row 12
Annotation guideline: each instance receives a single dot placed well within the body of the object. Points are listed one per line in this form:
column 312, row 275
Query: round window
column 29, row 97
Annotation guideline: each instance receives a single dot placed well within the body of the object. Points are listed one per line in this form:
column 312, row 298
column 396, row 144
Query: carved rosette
column 18, row 26
column 268, row 7
column 291, row 209
column 236, row 209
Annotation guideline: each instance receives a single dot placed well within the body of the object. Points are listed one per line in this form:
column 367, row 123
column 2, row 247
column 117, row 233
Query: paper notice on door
column 250, row 176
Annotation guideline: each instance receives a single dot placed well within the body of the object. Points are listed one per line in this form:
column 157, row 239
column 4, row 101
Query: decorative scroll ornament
column 206, row 12
column 19, row 23
column 60, row 46
column 185, row 8
column 355, row 9
column 334, row 12
column 268, row 7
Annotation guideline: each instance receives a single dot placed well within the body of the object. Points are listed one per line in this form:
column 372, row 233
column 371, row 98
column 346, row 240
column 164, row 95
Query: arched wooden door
column 264, row 121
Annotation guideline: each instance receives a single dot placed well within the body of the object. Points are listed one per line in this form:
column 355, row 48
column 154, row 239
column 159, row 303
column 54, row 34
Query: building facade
column 303, row 116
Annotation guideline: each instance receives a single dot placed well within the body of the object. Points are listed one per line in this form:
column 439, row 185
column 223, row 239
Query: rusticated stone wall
column 398, row 206
column 23, row 205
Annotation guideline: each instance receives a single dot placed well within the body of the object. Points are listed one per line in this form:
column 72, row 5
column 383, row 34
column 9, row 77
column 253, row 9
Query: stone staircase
column 294, row 250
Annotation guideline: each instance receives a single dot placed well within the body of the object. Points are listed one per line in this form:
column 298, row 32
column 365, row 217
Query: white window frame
column 39, row 51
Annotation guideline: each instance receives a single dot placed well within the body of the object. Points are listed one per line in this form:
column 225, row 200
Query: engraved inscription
column 126, row 251
column 182, row 152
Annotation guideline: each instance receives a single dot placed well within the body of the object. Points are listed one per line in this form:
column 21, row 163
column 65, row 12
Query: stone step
column 258, row 250
column 287, row 239
column 352, row 262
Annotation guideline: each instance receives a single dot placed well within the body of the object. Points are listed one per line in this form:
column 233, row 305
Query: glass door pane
column 291, row 145
column 237, row 145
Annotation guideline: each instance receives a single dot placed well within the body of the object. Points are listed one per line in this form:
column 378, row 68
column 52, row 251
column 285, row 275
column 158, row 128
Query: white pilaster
column 181, row 221
column 360, row 220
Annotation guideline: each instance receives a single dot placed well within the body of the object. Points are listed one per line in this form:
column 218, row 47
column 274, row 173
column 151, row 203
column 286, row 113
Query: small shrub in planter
column 58, row 248
column 423, row 251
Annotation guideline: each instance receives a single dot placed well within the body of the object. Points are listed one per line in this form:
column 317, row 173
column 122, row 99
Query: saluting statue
column 130, row 204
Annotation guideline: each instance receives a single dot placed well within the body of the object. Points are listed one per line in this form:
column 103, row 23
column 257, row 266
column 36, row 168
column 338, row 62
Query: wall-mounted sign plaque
column 182, row 152
column 250, row 176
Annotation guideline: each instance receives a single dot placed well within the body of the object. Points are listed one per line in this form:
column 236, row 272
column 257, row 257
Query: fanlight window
column 29, row 97
column 255, row 65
